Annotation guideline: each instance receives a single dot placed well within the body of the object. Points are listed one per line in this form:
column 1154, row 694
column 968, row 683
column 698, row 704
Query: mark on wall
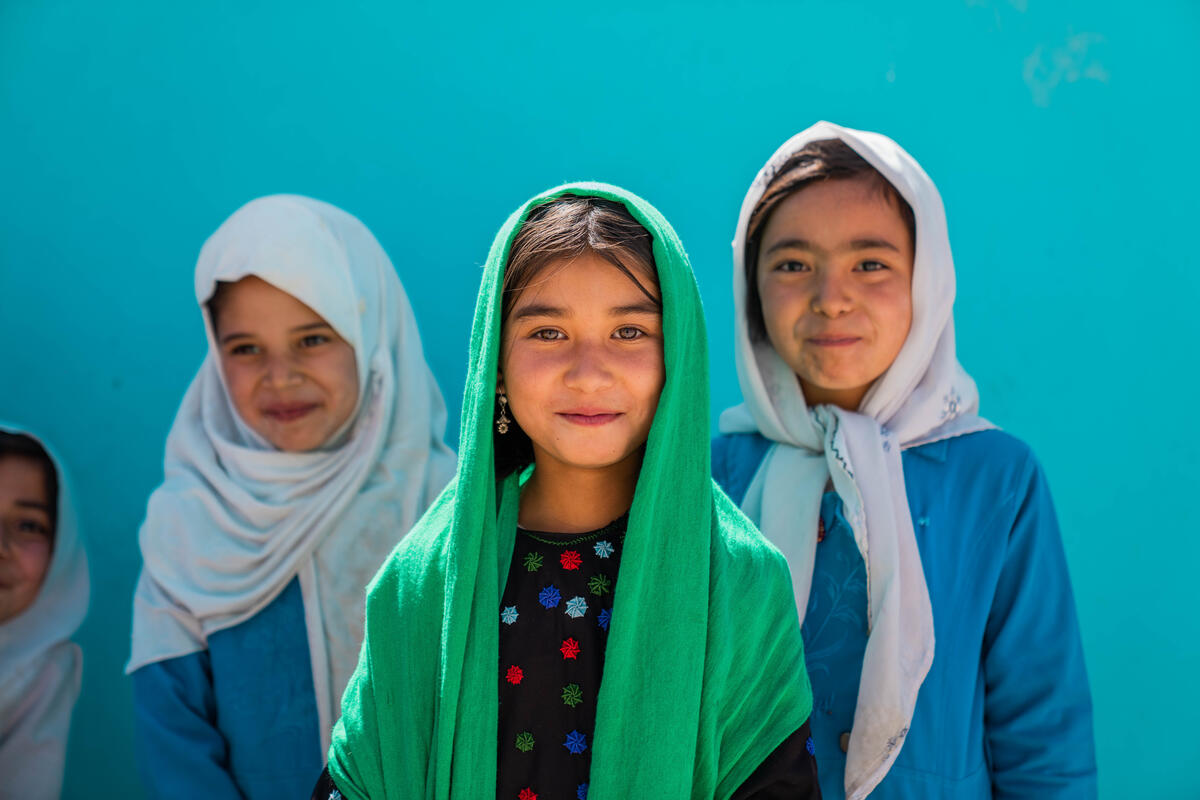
column 1074, row 60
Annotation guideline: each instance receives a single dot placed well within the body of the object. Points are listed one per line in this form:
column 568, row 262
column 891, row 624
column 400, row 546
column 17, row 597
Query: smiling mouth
column 590, row 419
column 289, row 413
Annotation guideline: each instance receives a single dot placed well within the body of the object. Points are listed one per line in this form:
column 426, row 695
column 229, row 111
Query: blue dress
column 1005, row 711
column 238, row 720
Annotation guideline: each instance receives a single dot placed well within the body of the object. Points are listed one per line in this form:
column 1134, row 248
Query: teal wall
column 128, row 131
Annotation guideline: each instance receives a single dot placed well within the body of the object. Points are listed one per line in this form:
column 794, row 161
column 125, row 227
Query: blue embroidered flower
column 576, row 742
column 509, row 615
column 810, row 747
column 581, row 792
column 549, row 597
column 576, row 607
column 605, row 616
column 604, row 549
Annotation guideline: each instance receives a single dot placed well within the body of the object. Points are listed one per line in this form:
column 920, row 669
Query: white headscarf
column 235, row 520
column 925, row 396
column 40, row 667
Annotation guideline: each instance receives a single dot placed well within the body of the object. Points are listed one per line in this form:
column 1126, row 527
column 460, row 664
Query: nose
column 589, row 370
column 831, row 297
column 281, row 372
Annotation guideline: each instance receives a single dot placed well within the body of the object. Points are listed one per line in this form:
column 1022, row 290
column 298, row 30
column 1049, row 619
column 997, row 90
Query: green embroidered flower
column 600, row 585
column 525, row 741
column 533, row 562
column 572, row 695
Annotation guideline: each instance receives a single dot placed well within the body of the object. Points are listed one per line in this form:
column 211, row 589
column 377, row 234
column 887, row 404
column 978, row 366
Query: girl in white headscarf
column 305, row 448
column 43, row 600
column 903, row 513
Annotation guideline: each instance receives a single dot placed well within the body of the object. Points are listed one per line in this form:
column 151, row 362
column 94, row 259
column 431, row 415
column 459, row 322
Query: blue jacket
column 238, row 720
column 1005, row 711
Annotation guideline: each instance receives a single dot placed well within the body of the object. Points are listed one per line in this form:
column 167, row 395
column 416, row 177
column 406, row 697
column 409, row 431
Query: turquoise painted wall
column 128, row 131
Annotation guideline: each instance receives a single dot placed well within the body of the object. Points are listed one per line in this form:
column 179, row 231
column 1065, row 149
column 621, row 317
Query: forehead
column 253, row 302
column 834, row 210
column 588, row 280
column 22, row 478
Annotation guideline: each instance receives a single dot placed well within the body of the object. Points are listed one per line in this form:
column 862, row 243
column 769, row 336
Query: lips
column 590, row 417
column 288, row 412
column 831, row 340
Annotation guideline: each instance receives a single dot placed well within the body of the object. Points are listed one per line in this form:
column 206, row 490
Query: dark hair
column 22, row 445
column 822, row 160
column 216, row 301
column 558, row 231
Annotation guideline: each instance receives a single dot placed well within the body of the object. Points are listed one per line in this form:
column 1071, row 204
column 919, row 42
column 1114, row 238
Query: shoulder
column 740, row 551
column 735, row 459
column 418, row 559
column 992, row 457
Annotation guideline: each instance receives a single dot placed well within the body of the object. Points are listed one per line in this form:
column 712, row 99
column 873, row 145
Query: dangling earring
column 503, row 420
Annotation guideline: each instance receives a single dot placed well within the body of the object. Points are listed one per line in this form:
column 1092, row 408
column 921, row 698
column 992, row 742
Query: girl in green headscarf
column 584, row 445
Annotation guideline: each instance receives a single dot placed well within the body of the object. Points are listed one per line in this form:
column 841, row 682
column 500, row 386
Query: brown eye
column 872, row 266
column 244, row 350
column 314, row 340
column 547, row 334
column 792, row 266
column 629, row 333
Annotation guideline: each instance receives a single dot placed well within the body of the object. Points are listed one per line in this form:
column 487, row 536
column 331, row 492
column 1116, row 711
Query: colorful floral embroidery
column 570, row 648
column 599, row 585
column 549, row 597
column 533, row 561
column 527, row 794
column 604, row 549
column 509, row 615
column 605, row 616
column 572, row 695
column 581, row 792
column 524, row 741
column 576, row 742
column 570, row 559
column 576, row 607
column 515, row 675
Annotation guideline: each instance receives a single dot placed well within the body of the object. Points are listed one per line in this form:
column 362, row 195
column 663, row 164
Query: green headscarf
column 704, row 667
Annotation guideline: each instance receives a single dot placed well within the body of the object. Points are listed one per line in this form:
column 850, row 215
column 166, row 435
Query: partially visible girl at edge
column 43, row 600
column 584, row 447
column 901, row 512
column 305, row 448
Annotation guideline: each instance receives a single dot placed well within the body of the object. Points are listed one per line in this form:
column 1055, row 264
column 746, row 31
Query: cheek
column 782, row 306
column 651, row 375
column 240, row 380
column 34, row 559
column 891, row 309
column 526, row 373
column 344, row 375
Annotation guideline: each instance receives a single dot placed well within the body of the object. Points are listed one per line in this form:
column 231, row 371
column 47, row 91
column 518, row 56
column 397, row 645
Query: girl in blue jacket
column 307, row 445
column 903, row 514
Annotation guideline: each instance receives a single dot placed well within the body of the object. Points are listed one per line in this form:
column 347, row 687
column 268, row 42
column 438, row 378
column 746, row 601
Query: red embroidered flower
column 527, row 794
column 570, row 559
column 570, row 648
column 515, row 674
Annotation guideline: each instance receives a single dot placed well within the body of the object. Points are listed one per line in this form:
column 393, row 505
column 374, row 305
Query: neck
column 845, row 399
column 567, row 499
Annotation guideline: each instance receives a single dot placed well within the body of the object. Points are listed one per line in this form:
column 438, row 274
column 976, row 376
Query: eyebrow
column 542, row 310
column 312, row 326
column 34, row 504
column 644, row 307
column 855, row 244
